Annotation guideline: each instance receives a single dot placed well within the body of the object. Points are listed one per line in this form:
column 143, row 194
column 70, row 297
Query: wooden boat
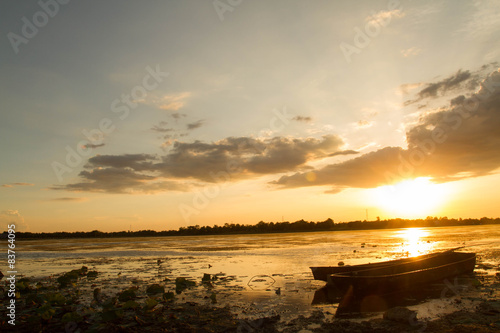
column 403, row 275
column 322, row 272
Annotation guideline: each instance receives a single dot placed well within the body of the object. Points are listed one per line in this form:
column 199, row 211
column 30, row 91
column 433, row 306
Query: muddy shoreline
column 86, row 300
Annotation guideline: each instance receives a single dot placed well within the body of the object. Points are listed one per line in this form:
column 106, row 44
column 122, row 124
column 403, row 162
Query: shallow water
column 251, row 267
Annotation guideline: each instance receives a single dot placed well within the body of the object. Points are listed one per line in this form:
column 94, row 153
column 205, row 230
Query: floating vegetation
column 127, row 295
column 181, row 284
column 155, row 289
column 59, row 305
column 71, row 277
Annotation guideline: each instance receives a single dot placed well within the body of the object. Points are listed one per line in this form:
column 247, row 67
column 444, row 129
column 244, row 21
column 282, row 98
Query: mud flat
column 89, row 300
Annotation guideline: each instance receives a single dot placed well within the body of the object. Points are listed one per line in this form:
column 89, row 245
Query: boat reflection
column 350, row 306
column 326, row 295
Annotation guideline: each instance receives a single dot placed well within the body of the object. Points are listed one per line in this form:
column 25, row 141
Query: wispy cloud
column 195, row 125
column 161, row 129
column 170, row 102
column 17, row 184
column 303, row 119
column 483, row 21
column 364, row 124
column 68, row 199
column 412, row 51
column 385, row 16
column 178, row 115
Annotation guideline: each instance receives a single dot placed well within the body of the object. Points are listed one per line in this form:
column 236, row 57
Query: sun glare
column 415, row 198
column 414, row 243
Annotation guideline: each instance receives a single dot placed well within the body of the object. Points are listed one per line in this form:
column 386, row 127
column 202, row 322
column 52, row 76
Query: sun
column 415, row 198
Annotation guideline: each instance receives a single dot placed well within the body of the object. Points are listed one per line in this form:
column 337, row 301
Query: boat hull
column 322, row 272
column 403, row 276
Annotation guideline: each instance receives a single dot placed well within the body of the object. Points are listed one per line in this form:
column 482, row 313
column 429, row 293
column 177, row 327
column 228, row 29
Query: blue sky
column 265, row 85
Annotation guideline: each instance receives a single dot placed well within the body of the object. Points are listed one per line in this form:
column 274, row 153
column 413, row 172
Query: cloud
column 483, row 21
column 251, row 156
column 17, row 184
column 407, row 87
column 12, row 216
column 344, row 152
column 68, row 199
column 412, row 51
column 453, row 82
column 385, row 16
column 161, row 129
column 187, row 164
column 364, row 124
column 121, row 180
column 365, row 171
column 459, row 141
column 91, row 145
column 302, row 119
column 138, row 162
column 170, row 102
column 178, row 115
column 195, row 125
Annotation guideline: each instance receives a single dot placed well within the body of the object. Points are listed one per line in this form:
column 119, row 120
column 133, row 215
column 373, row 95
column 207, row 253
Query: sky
column 128, row 115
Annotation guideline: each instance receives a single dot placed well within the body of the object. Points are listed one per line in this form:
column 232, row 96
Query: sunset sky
column 119, row 115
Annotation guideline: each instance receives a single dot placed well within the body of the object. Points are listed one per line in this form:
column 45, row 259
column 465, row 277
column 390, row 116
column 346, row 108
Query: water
column 252, row 267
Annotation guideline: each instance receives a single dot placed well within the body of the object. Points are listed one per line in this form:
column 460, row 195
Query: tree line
column 265, row 227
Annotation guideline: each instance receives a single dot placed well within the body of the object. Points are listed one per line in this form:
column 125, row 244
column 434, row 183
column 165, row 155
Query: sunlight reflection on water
column 415, row 243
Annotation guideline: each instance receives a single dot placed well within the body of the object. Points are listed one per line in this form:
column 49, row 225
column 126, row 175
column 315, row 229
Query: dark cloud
column 234, row 157
column 250, row 156
column 120, row 180
column 461, row 79
column 177, row 115
column 195, row 125
column 451, row 82
column 344, row 152
column 161, row 129
column 302, row 119
column 459, row 141
column 137, row 162
column 91, row 145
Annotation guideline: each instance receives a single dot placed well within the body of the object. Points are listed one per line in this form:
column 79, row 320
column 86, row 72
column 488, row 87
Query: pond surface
column 257, row 274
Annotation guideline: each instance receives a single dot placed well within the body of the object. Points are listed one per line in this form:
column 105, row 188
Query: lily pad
column 127, row 295
column 55, row 299
column 150, row 303
column 168, row 296
column 131, row 305
column 71, row 317
column 181, row 284
column 92, row 274
column 155, row 289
